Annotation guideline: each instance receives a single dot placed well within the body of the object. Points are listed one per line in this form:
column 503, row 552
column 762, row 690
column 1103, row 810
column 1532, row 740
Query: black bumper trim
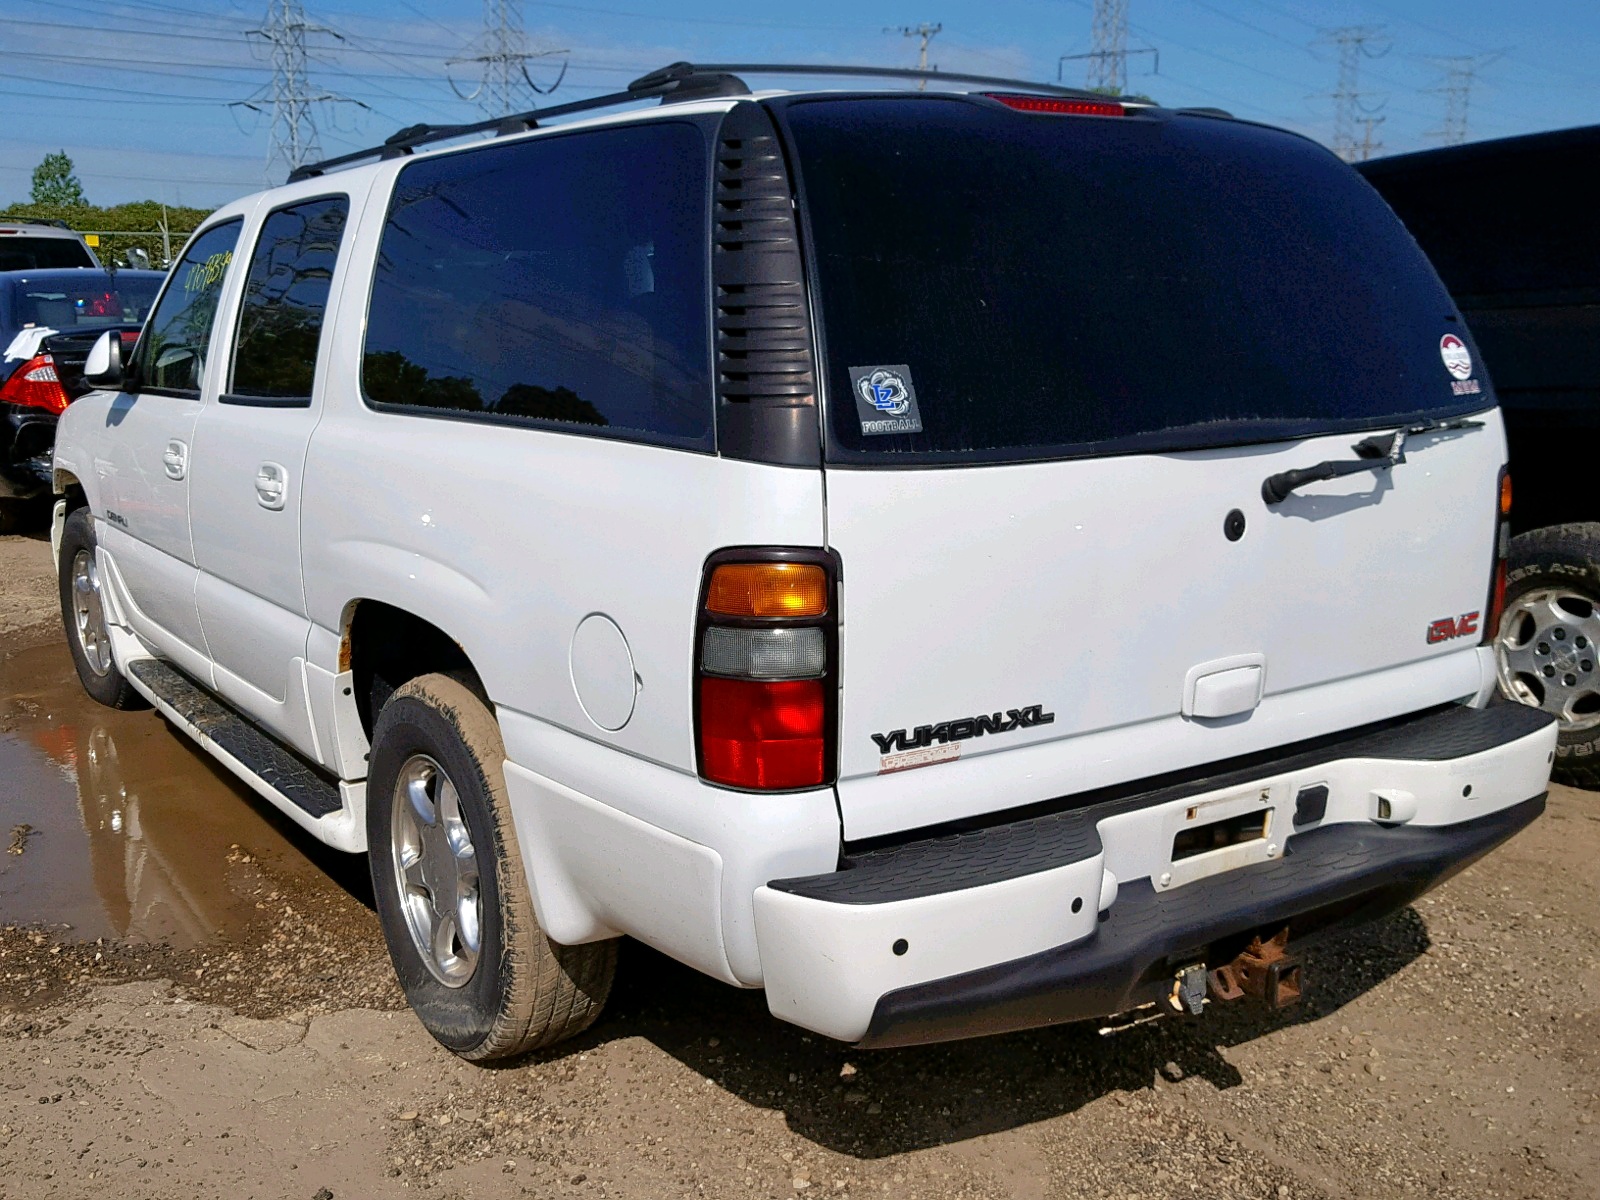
column 1331, row 878
column 1026, row 844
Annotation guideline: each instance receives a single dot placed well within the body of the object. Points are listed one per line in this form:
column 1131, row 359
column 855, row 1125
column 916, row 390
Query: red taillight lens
column 1059, row 104
column 763, row 735
column 35, row 384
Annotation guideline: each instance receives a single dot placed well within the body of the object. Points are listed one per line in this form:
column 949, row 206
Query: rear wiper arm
column 1377, row 453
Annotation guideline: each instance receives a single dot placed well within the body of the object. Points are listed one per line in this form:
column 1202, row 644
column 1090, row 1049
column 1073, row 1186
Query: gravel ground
column 1446, row 1052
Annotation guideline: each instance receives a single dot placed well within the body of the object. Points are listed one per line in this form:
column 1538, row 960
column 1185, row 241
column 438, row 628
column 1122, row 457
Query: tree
column 54, row 182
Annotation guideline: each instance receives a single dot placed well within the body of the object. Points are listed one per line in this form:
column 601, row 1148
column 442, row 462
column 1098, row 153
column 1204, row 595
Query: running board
column 330, row 810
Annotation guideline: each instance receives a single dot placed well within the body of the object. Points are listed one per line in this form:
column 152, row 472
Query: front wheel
column 83, row 614
column 450, row 886
column 1548, row 646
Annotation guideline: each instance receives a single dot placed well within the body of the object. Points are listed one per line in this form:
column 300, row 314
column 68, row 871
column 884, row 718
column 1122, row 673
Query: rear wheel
column 1548, row 645
column 83, row 614
column 450, row 886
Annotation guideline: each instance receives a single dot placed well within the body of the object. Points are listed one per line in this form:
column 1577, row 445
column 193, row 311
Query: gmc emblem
column 1446, row 628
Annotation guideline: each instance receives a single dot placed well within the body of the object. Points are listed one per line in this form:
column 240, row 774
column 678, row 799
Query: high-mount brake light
column 766, row 653
column 35, row 384
column 1502, row 552
column 1058, row 104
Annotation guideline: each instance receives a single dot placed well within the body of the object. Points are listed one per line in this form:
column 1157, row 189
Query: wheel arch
column 384, row 646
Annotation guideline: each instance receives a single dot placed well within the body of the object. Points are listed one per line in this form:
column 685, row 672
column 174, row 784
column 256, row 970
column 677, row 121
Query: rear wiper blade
column 1377, row 453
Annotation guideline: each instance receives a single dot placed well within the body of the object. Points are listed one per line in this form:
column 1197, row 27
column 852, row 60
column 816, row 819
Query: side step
column 219, row 728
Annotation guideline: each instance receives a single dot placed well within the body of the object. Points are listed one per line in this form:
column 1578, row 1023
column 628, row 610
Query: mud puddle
column 113, row 825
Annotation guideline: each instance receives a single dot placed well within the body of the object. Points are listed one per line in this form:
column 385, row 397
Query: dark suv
column 1527, row 279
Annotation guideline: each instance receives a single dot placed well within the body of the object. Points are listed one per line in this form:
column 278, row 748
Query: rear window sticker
column 886, row 401
column 1457, row 358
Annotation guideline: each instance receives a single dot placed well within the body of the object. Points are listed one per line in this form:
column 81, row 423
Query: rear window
column 1025, row 286
column 95, row 302
column 19, row 252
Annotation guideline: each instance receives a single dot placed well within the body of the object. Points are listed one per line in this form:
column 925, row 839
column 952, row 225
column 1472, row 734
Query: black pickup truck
column 1511, row 229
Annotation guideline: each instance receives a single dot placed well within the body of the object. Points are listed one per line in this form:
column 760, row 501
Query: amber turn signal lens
column 774, row 589
column 1505, row 494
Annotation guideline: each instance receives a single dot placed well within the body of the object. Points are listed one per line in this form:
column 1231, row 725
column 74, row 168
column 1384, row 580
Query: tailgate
column 1017, row 632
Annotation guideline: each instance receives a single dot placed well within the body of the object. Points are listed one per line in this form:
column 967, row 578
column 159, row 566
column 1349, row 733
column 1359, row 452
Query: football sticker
column 1457, row 358
column 885, row 400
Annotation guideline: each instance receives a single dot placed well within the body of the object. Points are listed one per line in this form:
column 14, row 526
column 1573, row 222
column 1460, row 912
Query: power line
column 1354, row 42
column 503, row 55
column 290, row 96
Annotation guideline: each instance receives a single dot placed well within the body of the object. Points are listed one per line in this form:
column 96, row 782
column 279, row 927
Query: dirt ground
column 195, row 1002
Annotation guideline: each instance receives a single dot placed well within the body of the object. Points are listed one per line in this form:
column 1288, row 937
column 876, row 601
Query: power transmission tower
column 1354, row 42
column 290, row 98
column 1370, row 145
column 1108, row 61
column 926, row 33
column 1460, row 72
column 502, row 54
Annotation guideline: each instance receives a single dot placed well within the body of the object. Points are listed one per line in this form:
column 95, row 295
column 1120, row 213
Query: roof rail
column 681, row 81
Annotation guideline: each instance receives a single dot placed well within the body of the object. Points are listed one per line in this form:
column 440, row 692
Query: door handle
column 272, row 485
column 175, row 459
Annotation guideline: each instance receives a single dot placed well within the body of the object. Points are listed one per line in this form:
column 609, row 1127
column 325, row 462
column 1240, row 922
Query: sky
column 144, row 94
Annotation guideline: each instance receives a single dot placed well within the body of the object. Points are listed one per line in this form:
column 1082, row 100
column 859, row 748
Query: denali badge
column 967, row 727
column 1446, row 628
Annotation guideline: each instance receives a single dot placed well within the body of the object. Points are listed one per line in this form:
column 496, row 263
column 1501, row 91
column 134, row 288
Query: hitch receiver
column 1265, row 970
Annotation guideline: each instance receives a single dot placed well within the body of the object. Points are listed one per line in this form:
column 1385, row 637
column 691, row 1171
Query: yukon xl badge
column 929, row 744
column 885, row 400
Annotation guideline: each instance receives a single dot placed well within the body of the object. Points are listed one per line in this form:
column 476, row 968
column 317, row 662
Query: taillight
column 35, row 384
column 1502, row 552
column 1059, row 104
column 766, row 677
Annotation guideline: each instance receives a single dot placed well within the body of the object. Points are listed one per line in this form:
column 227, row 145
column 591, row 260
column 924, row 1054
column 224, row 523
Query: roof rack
column 672, row 84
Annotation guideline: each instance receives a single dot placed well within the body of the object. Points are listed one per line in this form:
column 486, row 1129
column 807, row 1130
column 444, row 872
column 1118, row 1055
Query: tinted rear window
column 94, row 302
column 1052, row 286
column 19, row 252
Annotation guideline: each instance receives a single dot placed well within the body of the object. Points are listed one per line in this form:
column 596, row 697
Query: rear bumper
column 1084, row 912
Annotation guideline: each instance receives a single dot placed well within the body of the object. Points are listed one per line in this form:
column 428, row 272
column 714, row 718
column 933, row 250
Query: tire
column 1547, row 649
column 83, row 616
column 517, row 991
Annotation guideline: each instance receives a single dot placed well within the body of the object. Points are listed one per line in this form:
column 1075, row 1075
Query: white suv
column 957, row 560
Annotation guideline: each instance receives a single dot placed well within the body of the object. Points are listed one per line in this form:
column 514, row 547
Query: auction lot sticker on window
column 885, row 400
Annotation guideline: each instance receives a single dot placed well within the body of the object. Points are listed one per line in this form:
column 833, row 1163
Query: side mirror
column 104, row 368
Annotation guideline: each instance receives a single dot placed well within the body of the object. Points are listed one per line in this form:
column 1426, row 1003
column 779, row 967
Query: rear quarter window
column 558, row 281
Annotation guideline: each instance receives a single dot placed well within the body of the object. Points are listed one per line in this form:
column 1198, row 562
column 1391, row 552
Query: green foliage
column 54, row 182
column 143, row 216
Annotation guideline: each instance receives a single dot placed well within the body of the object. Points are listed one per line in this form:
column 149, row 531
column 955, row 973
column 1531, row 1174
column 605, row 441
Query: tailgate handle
column 1225, row 687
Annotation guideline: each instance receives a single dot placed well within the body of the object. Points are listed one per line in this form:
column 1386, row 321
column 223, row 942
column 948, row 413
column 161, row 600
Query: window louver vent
column 766, row 379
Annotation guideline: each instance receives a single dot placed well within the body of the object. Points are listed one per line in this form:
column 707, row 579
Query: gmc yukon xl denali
column 958, row 560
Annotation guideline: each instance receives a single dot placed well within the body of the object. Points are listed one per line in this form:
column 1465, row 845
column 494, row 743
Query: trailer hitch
column 1265, row 970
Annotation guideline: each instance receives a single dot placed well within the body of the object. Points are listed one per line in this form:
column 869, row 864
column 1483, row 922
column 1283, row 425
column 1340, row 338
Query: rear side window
column 171, row 355
column 19, row 252
column 1026, row 286
column 285, row 299
column 559, row 280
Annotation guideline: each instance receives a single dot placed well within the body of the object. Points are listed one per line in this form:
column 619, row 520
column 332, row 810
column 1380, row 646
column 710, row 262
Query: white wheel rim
column 89, row 613
column 1548, row 655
